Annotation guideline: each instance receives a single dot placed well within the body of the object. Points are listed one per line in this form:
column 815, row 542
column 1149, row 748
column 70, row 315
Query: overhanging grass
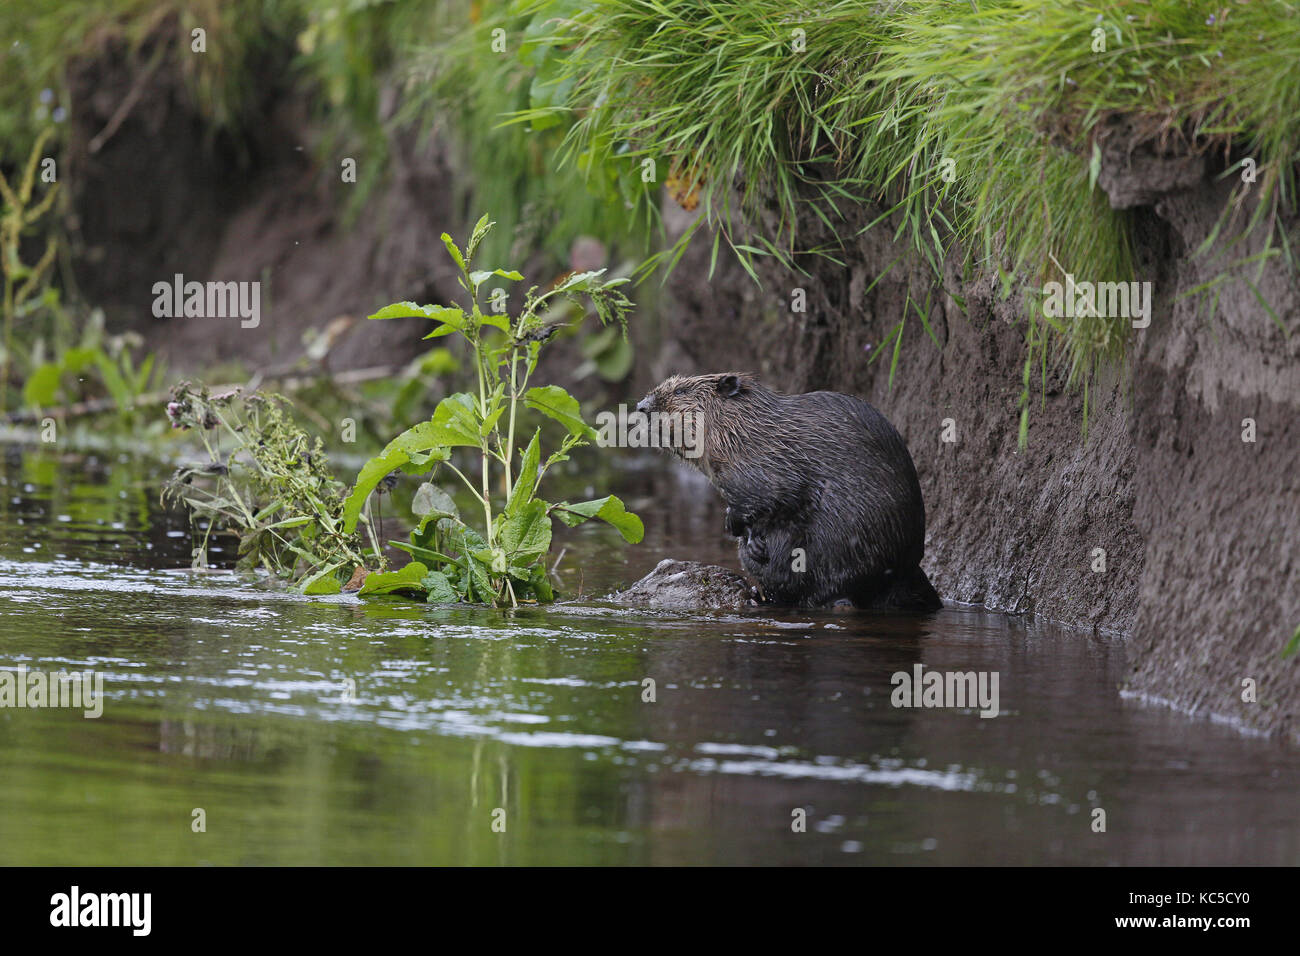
column 459, row 81
column 1010, row 98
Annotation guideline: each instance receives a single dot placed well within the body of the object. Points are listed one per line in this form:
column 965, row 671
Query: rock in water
column 688, row 585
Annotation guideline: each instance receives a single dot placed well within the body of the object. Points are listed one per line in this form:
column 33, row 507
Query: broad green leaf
column 324, row 581
column 608, row 509
column 556, row 403
column 481, row 229
column 370, row 475
column 440, row 588
column 541, row 583
column 479, row 276
column 476, row 582
column 456, row 417
column 466, row 540
column 480, row 582
column 42, row 386
column 421, row 461
column 526, row 535
column 424, row 437
column 448, row 315
column 424, row 535
column 413, row 450
column 326, row 585
column 489, row 423
column 408, row 578
column 432, row 500
column 526, row 481
column 442, row 330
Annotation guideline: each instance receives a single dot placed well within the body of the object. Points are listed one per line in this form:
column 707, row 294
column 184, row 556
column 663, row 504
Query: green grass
column 1011, row 92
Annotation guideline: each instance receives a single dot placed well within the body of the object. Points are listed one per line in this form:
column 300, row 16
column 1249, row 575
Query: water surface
column 335, row 731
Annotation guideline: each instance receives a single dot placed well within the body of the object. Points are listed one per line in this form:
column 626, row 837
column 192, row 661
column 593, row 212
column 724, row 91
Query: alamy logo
column 1107, row 300
column 208, row 300
column 102, row 909
column 954, row 689
column 80, row 691
column 681, row 430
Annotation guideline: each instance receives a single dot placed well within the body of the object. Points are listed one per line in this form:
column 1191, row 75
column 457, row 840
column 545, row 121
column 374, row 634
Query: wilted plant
column 273, row 488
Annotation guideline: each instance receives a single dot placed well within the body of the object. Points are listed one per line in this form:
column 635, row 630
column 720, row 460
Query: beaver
column 819, row 488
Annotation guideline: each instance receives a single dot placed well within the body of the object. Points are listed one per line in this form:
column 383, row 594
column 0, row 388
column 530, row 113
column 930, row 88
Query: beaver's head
column 705, row 419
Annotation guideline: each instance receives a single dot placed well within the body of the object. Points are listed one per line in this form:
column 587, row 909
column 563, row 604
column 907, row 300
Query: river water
column 245, row 725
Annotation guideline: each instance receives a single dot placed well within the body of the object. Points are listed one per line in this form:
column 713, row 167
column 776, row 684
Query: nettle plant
column 502, row 561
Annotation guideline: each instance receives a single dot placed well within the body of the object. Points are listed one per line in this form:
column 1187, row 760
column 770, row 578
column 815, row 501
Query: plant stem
column 485, row 497
column 510, row 433
column 468, row 484
column 370, row 530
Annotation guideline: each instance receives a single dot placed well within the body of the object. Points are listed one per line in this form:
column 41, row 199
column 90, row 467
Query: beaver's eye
column 680, row 390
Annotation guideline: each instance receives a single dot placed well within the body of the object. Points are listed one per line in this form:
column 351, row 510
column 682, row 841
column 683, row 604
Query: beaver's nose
column 646, row 405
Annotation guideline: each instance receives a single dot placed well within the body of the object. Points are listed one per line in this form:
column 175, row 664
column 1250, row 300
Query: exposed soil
column 995, row 514
column 163, row 195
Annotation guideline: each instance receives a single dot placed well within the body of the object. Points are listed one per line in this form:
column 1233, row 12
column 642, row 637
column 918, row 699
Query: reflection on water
column 326, row 730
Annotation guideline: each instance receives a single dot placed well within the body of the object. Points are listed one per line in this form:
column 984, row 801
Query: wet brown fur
column 822, row 472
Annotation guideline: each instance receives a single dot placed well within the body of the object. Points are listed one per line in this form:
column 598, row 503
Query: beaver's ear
column 729, row 386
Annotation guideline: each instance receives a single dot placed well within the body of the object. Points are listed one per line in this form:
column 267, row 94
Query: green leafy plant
column 503, row 562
